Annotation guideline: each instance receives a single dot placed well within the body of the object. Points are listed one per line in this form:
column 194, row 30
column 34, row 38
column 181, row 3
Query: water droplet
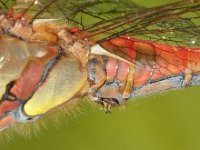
column 36, row 2
column 192, row 41
column 164, row 37
column 2, row 61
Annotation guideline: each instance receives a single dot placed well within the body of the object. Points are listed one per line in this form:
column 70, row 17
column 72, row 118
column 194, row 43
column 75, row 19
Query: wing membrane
column 79, row 12
column 176, row 23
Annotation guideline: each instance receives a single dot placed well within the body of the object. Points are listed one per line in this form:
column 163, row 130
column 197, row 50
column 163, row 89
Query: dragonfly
column 54, row 51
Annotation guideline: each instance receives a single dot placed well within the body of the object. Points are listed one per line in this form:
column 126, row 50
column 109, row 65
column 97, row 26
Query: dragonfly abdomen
column 139, row 63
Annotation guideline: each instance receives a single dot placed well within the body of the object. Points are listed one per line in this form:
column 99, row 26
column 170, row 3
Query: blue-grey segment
column 169, row 83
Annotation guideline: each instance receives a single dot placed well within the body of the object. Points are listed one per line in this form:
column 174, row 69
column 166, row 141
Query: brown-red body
column 45, row 65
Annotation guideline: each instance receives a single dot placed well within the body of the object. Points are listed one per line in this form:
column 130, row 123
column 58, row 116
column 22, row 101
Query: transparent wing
column 176, row 23
column 79, row 13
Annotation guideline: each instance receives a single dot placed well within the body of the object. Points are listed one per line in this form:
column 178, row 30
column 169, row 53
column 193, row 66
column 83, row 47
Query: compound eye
column 64, row 80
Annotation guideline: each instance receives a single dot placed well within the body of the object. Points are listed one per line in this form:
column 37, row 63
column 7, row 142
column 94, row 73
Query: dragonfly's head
column 35, row 79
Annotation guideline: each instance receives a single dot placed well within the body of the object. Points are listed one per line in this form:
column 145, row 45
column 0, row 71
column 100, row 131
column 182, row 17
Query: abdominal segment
column 154, row 61
column 151, row 63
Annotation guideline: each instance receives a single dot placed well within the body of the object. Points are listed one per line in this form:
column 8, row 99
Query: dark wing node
column 5, row 5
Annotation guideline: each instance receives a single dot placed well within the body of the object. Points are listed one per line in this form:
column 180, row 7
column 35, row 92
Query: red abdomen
column 152, row 60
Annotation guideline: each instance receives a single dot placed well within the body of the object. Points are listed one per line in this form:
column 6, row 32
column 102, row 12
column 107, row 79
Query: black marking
column 8, row 95
column 48, row 67
column 4, row 4
column 107, row 103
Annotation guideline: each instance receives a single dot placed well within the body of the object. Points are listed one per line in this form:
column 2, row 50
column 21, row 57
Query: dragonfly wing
column 102, row 21
column 173, row 24
column 114, row 23
column 77, row 13
column 150, row 32
column 176, row 24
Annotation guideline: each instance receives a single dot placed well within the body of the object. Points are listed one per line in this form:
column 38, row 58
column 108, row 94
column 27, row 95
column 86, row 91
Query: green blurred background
column 168, row 121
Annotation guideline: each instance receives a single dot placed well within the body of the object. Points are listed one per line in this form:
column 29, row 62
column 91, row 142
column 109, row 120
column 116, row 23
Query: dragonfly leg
column 109, row 95
column 129, row 82
column 97, row 74
column 188, row 78
column 107, row 103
